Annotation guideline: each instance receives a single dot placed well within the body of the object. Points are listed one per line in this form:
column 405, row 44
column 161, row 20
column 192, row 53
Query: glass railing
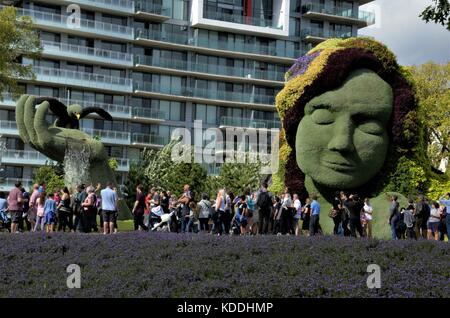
column 315, row 32
column 211, row 13
column 148, row 113
column 9, row 183
column 147, row 139
column 206, row 93
column 367, row 17
column 69, row 77
column 109, row 135
column 9, row 126
column 150, row 7
column 209, row 68
column 24, row 156
column 123, row 164
column 114, row 109
column 96, row 27
column 249, row 123
column 339, row 34
column 7, row 99
column 87, row 52
column 121, row 5
column 242, row 47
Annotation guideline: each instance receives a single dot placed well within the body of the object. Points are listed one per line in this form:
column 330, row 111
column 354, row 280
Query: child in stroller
column 240, row 220
column 158, row 219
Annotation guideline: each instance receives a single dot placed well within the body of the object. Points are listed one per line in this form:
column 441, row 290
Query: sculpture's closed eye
column 322, row 116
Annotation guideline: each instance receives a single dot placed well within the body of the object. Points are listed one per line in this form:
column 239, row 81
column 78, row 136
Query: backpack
column 264, row 201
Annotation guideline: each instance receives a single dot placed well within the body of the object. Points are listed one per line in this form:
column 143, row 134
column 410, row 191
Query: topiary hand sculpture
column 55, row 142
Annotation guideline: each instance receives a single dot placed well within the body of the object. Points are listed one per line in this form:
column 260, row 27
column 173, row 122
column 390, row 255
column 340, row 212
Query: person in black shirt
column 336, row 212
column 354, row 206
column 138, row 209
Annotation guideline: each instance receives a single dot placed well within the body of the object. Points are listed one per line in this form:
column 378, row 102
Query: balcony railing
column 148, row 139
column 114, row 110
column 9, row 183
column 148, row 113
column 150, row 7
column 356, row 14
column 249, row 123
column 119, row 5
column 90, row 53
column 8, row 127
column 7, row 100
column 212, row 13
column 109, row 136
column 85, row 25
column 24, row 157
column 69, row 77
column 313, row 32
column 242, row 47
column 123, row 164
column 209, row 68
column 206, row 93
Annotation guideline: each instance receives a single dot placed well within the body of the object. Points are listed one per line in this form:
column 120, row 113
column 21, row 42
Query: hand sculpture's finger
column 41, row 125
column 20, row 111
column 30, row 110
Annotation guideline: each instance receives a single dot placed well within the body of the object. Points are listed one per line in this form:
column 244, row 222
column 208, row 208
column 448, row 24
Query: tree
column 17, row 40
column 433, row 93
column 438, row 13
column 50, row 175
column 238, row 177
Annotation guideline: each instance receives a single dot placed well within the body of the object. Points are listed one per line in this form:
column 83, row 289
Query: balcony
column 83, row 79
column 116, row 111
column 204, row 45
column 313, row 35
column 8, row 184
column 8, row 128
column 234, row 18
column 109, row 136
column 151, row 11
column 84, row 53
column 8, row 100
column 24, row 157
column 141, row 114
column 56, row 22
column 210, row 70
column 338, row 14
column 149, row 140
column 249, row 123
column 117, row 6
column 206, row 94
column 123, row 164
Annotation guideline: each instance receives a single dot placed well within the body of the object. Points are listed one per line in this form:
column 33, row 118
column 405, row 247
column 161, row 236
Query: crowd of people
column 248, row 213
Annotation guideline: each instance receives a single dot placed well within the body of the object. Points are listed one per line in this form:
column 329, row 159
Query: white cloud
column 406, row 34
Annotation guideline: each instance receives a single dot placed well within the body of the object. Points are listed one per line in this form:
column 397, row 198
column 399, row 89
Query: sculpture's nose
column 342, row 139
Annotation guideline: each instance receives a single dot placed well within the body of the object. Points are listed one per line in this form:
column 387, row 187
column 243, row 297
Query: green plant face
column 342, row 140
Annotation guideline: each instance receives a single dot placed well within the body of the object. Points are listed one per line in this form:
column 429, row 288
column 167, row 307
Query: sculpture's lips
column 339, row 165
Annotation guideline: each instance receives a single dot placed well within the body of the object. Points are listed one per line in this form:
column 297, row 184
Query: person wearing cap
column 15, row 205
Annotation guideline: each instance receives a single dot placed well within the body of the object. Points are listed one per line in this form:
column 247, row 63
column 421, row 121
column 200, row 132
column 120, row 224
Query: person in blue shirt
column 50, row 213
column 315, row 213
column 446, row 202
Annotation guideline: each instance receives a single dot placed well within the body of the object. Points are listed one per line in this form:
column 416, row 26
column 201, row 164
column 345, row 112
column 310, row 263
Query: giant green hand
column 54, row 141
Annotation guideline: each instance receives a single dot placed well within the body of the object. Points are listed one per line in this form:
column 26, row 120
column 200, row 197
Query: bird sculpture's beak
column 78, row 116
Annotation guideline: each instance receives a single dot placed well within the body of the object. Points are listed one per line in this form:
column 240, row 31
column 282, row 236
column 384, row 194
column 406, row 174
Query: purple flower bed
column 171, row 265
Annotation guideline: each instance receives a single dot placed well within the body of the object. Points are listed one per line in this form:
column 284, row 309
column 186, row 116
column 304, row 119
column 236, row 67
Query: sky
column 408, row 36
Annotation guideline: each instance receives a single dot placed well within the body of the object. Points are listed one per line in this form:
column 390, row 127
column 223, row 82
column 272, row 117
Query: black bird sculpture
column 69, row 117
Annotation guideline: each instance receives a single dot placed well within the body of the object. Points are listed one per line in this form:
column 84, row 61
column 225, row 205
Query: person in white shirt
column 297, row 215
column 368, row 216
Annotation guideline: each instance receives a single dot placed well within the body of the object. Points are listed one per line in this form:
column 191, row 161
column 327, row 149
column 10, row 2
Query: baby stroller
column 236, row 224
column 164, row 222
column 5, row 219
